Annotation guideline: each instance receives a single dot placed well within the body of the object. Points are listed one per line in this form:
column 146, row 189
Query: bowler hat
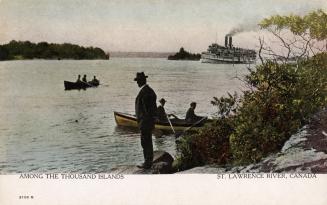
column 162, row 100
column 140, row 76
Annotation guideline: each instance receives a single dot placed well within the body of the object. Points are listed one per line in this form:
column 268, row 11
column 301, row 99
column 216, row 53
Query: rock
column 129, row 169
column 162, row 156
column 161, row 168
column 204, row 170
column 162, row 164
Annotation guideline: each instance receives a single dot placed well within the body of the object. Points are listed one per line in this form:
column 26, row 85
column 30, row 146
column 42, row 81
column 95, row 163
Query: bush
column 210, row 144
column 206, row 146
column 282, row 98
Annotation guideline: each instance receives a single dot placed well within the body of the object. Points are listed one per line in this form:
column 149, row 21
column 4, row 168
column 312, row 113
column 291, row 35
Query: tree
column 299, row 36
column 43, row 50
column 281, row 98
column 282, row 91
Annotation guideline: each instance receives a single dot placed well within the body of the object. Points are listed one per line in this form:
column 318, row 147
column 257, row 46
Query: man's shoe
column 144, row 166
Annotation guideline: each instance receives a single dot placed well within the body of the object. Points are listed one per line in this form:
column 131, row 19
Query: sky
column 142, row 25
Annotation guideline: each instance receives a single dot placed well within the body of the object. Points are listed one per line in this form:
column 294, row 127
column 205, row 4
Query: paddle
column 187, row 129
column 170, row 124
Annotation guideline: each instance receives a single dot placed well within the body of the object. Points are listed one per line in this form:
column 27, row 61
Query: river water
column 44, row 128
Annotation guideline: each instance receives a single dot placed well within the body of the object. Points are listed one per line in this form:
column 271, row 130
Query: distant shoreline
column 120, row 54
column 67, row 59
column 21, row 50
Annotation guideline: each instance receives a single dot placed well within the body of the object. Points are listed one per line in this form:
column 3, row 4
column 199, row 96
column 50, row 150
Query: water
column 44, row 128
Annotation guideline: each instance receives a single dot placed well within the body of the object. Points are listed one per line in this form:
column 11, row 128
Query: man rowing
column 162, row 115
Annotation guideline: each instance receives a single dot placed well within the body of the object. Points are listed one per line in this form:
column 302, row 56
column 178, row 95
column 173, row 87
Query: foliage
column 206, row 146
column 210, row 144
column 281, row 98
column 184, row 55
column 44, row 50
column 226, row 105
column 3, row 53
column 285, row 97
column 296, row 37
column 315, row 23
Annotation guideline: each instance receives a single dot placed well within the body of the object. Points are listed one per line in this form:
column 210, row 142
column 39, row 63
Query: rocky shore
column 162, row 164
column 304, row 152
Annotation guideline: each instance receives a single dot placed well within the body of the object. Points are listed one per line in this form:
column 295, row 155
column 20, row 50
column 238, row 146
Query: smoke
column 244, row 27
column 250, row 23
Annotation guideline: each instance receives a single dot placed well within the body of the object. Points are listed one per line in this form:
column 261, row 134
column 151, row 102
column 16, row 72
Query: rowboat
column 128, row 120
column 79, row 85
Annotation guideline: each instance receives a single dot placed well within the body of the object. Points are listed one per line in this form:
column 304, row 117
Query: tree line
column 17, row 50
column 184, row 55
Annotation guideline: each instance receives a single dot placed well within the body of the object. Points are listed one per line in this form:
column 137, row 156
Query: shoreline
column 304, row 152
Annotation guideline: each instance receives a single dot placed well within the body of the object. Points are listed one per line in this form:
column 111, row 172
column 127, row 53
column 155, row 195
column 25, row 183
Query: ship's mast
column 216, row 38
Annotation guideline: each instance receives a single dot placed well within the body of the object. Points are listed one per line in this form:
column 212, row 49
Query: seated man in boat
column 161, row 113
column 84, row 79
column 78, row 79
column 95, row 81
column 190, row 115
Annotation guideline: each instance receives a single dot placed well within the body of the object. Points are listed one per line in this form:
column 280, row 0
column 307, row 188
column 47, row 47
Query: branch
column 306, row 45
column 285, row 44
column 276, row 57
column 261, row 41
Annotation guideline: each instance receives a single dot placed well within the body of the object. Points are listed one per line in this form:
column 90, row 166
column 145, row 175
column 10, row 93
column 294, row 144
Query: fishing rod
column 177, row 135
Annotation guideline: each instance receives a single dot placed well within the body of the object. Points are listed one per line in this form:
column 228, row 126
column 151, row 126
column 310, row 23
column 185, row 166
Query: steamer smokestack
column 230, row 42
column 226, row 41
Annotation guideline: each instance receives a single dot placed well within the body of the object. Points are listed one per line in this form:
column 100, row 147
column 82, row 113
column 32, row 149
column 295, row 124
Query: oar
column 170, row 124
column 89, row 84
column 187, row 129
column 86, row 83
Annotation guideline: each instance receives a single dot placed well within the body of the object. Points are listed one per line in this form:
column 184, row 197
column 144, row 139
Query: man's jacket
column 146, row 108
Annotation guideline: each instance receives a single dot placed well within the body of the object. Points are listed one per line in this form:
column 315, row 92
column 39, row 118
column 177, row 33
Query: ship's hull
column 212, row 58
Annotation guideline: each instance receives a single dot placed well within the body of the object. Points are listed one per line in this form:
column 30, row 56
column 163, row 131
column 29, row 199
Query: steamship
column 228, row 53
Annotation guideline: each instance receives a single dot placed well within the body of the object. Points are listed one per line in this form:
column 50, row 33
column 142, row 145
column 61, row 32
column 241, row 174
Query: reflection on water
column 44, row 128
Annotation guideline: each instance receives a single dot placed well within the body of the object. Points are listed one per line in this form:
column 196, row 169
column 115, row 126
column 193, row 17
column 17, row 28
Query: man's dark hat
column 193, row 103
column 162, row 100
column 140, row 76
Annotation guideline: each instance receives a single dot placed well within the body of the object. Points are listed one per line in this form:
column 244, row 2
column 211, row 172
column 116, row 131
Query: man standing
column 146, row 111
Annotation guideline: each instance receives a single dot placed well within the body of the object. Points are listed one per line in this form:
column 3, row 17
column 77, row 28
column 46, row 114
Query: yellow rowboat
column 128, row 120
